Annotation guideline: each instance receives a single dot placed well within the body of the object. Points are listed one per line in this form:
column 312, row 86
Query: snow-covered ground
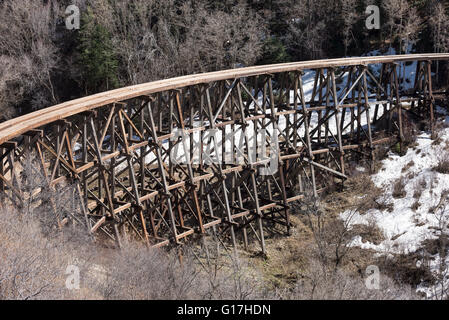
column 405, row 228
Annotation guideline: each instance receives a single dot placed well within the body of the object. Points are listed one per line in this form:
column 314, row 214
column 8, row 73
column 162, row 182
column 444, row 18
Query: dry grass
column 443, row 164
column 352, row 196
column 415, row 206
column 408, row 166
column 419, row 187
column 399, row 188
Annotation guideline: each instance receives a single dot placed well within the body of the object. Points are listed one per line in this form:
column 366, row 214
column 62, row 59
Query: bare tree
column 34, row 252
column 307, row 21
column 28, row 51
column 439, row 26
column 404, row 22
column 332, row 234
column 145, row 40
column 349, row 16
column 316, row 283
column 440, row 269
column 218, row 39
column 228, row 277
column 160, row 39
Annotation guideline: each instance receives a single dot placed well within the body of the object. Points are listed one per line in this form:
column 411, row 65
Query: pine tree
column 273, row 51
column 97, row 58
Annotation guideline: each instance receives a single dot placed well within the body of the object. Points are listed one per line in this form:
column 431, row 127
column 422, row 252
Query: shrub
column 321, row 284
column 443, row 164
column 408, row 166
column 381, row 203
column 419, row 187
column 399, row 188
column 32, row 264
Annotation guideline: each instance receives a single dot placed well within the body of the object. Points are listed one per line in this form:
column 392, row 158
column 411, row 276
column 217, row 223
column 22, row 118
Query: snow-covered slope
column 413, row 218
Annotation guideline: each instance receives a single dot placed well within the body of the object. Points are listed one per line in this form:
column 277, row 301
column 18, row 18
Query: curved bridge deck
column 227, row 151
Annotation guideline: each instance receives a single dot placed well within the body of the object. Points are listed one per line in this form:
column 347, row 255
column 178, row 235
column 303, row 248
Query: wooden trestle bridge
column 137, row 176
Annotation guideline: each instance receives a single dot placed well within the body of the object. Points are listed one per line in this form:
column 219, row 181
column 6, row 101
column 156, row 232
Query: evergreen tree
column 97, row 59
column 273, row 51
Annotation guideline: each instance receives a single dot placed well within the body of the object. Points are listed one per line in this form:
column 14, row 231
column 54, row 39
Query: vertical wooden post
column 337, row 120
column 430, row 97
column 307, row 133
column 368, row 119
column 398, row 106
